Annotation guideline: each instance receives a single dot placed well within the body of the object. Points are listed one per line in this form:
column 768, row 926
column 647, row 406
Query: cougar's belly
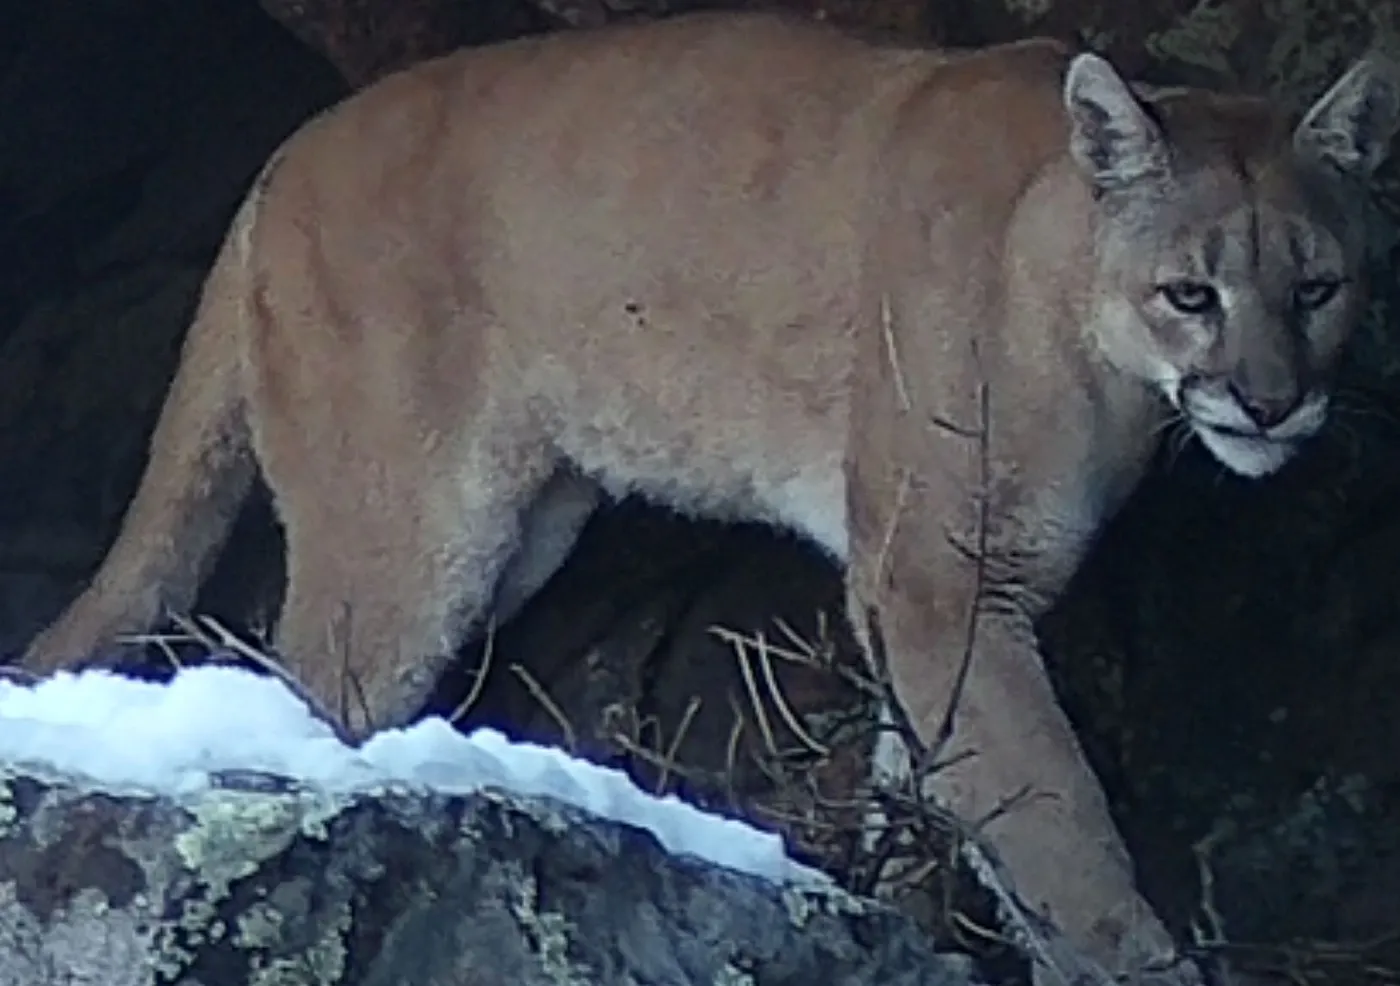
column 727, row 457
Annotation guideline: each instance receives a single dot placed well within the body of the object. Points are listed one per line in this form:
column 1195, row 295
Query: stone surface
column 365, row 39
column 261, row 883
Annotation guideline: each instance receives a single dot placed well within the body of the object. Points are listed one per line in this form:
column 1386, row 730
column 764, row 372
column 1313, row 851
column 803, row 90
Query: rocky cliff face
column 1230, row 651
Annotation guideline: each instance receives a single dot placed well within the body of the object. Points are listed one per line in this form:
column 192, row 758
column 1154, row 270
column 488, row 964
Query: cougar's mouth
column 1251, row 454
column 1242, row 444
column 1230, row 431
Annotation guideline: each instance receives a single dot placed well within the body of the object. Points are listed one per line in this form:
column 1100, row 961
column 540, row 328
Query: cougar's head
column 1229, row 245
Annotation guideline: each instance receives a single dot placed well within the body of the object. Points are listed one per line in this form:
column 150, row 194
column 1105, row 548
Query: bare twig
column 743, row 646
column 459, row 712
column 692, row 708
column 901, row 387
column 215, row 638
column 538, row 692
column 755, row 700
column 18, row 675
column 882, row 557
column 944, row 734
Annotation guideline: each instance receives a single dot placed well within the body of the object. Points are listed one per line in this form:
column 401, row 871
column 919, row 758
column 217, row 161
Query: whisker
column 1366, row 413
column 1350, row 442
column 1170, row 421
column 1342, row 435
column 1364, row 402
column 1177, row 440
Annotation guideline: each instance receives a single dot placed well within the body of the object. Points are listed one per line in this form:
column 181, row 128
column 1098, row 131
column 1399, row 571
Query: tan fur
column 750, row 269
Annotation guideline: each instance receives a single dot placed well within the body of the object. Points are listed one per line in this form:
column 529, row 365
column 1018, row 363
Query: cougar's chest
column 1062, row 499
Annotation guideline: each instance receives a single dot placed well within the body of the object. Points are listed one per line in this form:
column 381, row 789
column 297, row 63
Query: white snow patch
column 168, row 739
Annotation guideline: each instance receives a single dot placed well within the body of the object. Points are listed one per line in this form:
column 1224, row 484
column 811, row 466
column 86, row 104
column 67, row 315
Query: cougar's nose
column 1267, row 410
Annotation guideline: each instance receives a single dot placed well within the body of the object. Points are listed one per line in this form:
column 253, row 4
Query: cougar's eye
column 1190, row 297
column 1312, row 294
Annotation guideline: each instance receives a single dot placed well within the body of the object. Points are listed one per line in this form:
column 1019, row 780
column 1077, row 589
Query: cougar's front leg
column 1011, row 746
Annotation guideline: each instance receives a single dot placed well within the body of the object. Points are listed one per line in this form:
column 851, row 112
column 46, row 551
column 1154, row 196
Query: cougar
column 931, row 309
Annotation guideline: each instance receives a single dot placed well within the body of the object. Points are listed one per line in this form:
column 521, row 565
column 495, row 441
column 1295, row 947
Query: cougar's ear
column 1351, row 125
column 1113, row 137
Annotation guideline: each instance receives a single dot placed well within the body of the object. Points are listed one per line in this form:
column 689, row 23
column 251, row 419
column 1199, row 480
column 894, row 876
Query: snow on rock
column 168, row 739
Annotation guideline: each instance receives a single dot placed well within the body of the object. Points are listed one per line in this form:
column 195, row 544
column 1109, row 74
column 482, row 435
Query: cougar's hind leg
column 387, row 569
column 550, row 529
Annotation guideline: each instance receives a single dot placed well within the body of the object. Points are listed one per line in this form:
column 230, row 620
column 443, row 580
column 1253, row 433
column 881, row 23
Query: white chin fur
column 1250, row 457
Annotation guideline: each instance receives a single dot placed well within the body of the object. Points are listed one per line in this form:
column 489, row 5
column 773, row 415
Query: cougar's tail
column 199, row 469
